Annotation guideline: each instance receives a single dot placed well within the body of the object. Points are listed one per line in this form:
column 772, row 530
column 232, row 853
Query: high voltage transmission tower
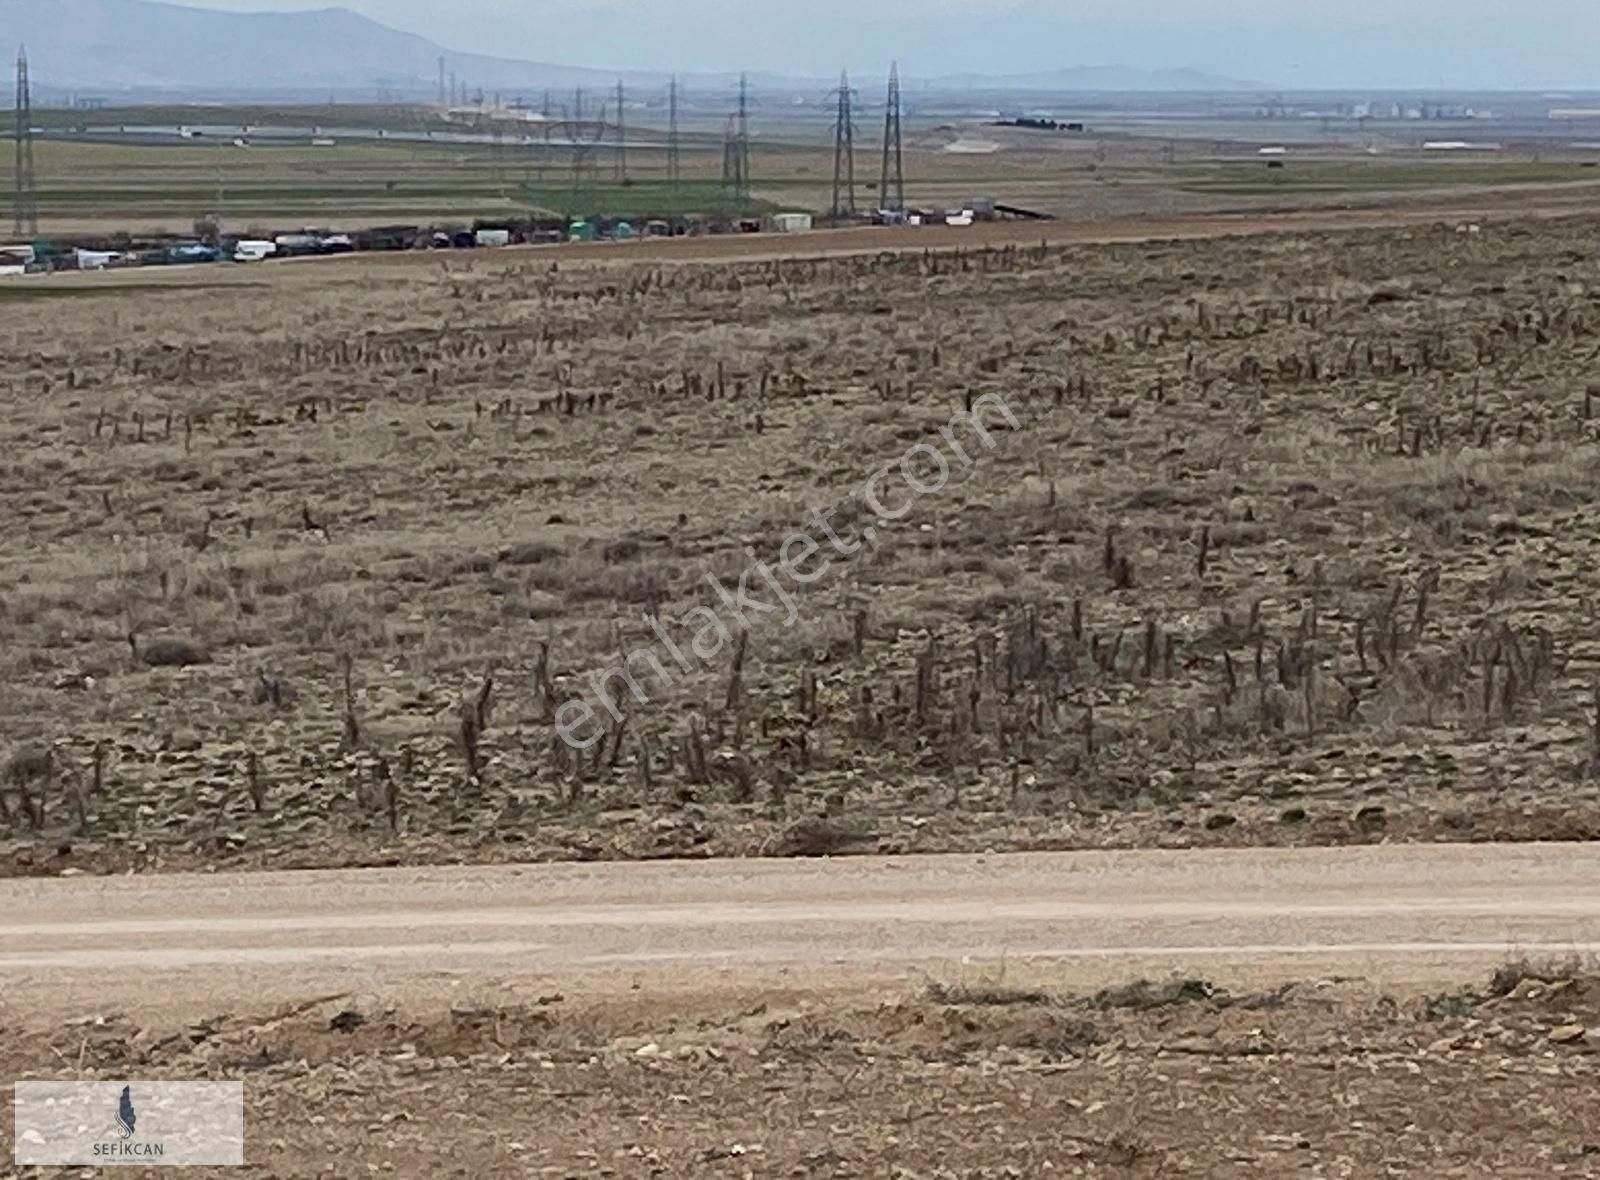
column 744, row 133
column 583, row 140
column 622, row 138
column 542, row 154
column 673, row 173
column 844, row 154
column 735, row 183
column 892, row 186
column 26, row 206
column 736, row 150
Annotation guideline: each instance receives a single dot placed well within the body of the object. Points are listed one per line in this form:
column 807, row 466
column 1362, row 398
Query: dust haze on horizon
column 1398, row 44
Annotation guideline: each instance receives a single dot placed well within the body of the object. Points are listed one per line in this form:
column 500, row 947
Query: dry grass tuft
column 1509, row 976
column 172, row 651
column 988, row 995
column 1142, row 995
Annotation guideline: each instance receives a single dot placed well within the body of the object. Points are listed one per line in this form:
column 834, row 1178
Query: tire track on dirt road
column 1405, row 916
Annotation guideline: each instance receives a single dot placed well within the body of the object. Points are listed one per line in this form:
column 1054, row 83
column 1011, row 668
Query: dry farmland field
column 1245, row 543
column 1291, row 542
column 100, row 182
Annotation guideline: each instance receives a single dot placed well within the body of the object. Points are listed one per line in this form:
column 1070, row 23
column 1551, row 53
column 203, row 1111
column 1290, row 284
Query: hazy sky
column 1462, row 44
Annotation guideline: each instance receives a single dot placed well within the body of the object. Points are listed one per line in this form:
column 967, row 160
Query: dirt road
column 1402, row 916
column 837, row 243
column 921, row 1018
column 832, row 243
column 1415, row 212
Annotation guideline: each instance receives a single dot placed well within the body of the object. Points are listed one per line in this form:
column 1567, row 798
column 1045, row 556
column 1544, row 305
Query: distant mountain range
column 110, row 46
column 146, row 47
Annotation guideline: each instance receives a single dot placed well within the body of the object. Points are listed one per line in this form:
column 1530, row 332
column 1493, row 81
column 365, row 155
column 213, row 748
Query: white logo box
column 129, row 1123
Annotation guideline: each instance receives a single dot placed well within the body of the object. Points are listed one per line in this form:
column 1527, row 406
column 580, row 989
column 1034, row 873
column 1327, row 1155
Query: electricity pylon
column 844, row 154
column 892, row 186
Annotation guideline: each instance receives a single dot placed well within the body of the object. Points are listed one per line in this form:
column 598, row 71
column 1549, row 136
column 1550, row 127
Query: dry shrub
column 531, row 553
column 987, row 995
column 172, row 651
column 816, row 836
column 1511, row 975
column 1141, row 995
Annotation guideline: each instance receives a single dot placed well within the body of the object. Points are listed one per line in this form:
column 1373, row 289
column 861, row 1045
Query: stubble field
column 1292, row 541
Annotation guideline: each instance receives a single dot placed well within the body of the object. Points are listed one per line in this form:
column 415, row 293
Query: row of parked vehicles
column 206, row 246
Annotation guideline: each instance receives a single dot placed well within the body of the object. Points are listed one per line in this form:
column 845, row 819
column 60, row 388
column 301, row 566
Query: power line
column 892, row 185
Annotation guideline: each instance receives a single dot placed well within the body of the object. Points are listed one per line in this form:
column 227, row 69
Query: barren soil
column 1176, row 1077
